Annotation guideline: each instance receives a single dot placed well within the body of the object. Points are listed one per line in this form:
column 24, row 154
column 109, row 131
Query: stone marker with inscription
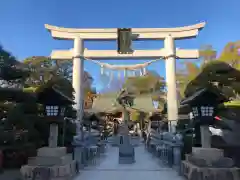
column 126, row 151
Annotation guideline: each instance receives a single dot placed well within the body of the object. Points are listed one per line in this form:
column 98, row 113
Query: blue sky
column 22, row 23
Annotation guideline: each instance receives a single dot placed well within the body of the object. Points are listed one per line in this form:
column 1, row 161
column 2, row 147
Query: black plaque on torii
column 124, row 41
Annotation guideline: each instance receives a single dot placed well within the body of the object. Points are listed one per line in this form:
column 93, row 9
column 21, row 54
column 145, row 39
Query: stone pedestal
column 50, row 164
column 126, row 151
column 194, row 172
column 209, row 163
column 209, row 154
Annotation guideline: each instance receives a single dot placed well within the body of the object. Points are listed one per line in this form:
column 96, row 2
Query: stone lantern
column 52, row 162
column 203, row 104
column 206, row 162
column 54, row 104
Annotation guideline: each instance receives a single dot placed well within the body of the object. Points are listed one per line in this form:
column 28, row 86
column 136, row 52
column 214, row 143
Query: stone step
column 50, row 161
column 210, row 154
column 58, row 172
column 52, row 152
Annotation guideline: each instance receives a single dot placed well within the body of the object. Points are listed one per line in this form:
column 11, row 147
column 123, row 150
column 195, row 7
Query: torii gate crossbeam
column 169, row 53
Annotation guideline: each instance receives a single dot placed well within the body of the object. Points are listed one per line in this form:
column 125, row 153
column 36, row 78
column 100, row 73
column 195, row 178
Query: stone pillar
column 141, row 72
column 134, row 73
column 138, row 129
column 172, row 101
column 144, row 71
column 53, row 136
column 119, row 75
column 126, row 120
column 102, row 70
column 124, row 73
column 205, row 137
column 77, row 76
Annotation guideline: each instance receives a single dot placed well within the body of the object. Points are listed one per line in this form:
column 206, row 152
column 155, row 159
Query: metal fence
column 88, row 150
column 167, row 147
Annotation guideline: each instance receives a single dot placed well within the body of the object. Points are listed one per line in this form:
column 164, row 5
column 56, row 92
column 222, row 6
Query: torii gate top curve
column 169, row 53
column 137, row 33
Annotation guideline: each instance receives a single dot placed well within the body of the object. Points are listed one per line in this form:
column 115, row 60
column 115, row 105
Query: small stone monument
column 126, row 149
column 52, row 162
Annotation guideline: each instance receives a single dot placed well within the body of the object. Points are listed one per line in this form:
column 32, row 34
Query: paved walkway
column 11, row 175
column 145, row 168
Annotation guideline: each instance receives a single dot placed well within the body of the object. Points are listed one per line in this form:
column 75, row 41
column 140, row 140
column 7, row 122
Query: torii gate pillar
column 77, row 76
column 172, row 98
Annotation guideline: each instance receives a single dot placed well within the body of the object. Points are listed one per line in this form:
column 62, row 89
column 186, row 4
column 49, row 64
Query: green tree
column 219, row 74
column 207, row 53
column 11, row 71
column 135, row 115
column 18, row 104
column 186, row 75
column 6, row 58
column 14, row 119
column 222, row 71
column 231, row 54
column 150, row 83
column 42, row 70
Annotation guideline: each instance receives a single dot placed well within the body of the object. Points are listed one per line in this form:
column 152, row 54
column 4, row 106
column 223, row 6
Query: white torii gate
column 169, row 53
